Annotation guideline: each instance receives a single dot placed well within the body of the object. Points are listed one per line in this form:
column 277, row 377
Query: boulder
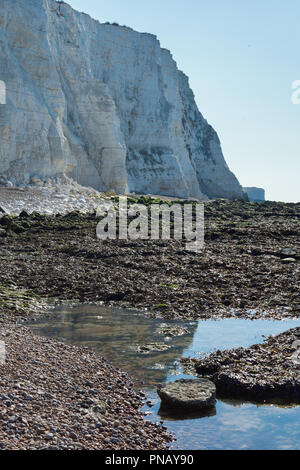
column 188, row 394
column 288, row 253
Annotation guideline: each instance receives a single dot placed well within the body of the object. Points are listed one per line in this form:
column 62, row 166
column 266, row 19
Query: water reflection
column 175, row 415
column 130, row 340
column 135, row 343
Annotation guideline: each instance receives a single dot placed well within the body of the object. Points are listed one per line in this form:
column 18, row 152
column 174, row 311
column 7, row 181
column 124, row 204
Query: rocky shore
column 248, row 269
column 267, row 372
column 57, row 396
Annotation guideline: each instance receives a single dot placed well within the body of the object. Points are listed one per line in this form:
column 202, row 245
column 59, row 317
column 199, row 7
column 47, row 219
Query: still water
column 148, row 351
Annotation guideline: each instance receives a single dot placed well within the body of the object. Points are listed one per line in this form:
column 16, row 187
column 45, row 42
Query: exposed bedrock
column 267, row 372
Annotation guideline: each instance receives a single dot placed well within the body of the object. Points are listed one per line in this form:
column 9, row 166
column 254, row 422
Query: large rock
column 267, row 372
column 188, row 394
column 288, row 253
column 102, row 104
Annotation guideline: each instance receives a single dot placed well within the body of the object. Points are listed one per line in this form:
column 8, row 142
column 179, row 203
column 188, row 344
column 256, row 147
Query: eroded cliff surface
column 103, row 104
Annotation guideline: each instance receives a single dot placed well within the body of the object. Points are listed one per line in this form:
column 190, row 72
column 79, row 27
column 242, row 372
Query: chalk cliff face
column 103, row 104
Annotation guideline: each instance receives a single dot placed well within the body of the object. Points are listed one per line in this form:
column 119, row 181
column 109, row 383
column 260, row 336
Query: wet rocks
column 267, row 372
column 151, row 347
column 239, row 273
column 187, row 394
column 170, row 331
column 47, row 387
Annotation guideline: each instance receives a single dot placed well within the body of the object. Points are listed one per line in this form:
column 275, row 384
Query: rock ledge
column 267, row 372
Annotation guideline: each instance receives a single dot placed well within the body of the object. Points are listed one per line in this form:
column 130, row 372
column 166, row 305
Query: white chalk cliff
column 104, row 105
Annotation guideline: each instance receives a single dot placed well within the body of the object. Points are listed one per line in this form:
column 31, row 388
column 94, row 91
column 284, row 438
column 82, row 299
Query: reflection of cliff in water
column 116, row 334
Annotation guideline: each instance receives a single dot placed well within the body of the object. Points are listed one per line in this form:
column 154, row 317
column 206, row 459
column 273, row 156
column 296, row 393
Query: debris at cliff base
column 50, row 198
column 268, row 372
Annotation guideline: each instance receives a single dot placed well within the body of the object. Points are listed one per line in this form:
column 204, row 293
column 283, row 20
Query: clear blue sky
column 242, row 57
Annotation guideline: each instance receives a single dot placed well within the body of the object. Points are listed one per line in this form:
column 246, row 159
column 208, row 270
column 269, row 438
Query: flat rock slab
column 188, row 394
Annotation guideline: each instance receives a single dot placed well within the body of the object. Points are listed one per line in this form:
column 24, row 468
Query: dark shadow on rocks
column 179, row 415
